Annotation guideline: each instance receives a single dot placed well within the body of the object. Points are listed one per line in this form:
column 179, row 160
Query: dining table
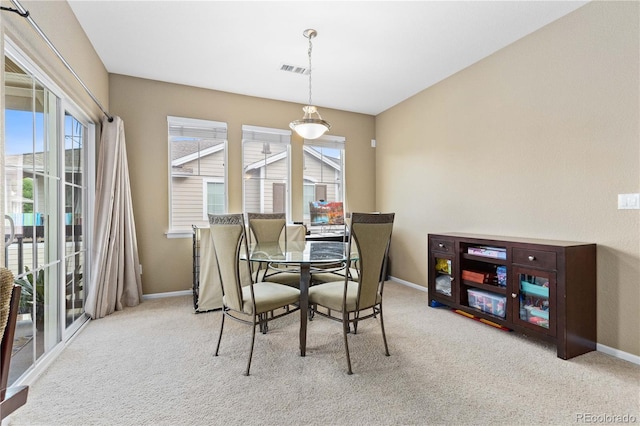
column 306, row 255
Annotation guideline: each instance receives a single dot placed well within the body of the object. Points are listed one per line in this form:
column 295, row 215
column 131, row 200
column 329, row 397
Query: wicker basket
column 6, row 287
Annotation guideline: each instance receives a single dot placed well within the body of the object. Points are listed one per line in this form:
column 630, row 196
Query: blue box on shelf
column 533, row 289
column 501, row 273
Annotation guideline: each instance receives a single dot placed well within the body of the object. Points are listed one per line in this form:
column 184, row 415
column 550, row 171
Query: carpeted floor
column 154, row 365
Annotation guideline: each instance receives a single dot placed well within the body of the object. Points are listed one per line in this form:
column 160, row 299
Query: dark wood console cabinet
column 542, row 288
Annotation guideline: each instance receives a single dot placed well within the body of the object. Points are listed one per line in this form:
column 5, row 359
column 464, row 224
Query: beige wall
column 144, row 106
column 535, row 141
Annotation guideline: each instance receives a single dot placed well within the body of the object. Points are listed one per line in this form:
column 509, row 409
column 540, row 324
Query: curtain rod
column 25, row 14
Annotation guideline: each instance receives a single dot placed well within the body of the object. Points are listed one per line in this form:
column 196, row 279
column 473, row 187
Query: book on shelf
column 485, row 251
column 479, row 277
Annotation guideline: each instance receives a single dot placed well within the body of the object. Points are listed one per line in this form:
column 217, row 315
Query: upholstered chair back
column 371, row 234
column 266, row 227
column 228, row 235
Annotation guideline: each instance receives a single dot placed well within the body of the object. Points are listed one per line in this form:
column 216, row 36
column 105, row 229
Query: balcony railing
column 24, row 242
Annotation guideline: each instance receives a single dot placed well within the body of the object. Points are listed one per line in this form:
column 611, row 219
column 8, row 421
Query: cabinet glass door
column 535, row 303
column 443, row 276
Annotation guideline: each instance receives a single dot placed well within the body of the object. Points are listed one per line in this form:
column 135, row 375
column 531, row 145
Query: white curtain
column 116, row 280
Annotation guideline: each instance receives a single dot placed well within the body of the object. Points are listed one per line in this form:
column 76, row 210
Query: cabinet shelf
column 488, row 287
column 550, row 290
column 485, row 259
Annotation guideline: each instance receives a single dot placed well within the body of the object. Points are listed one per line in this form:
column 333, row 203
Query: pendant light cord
column 311, row 35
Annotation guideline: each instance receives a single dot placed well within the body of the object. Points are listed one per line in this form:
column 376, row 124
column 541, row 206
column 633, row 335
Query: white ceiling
column 368, row 55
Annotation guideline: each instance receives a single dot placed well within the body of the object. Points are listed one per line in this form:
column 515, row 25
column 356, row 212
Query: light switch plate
column 628, row 201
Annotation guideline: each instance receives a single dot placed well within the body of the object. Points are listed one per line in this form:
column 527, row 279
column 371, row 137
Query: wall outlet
column 628, row 201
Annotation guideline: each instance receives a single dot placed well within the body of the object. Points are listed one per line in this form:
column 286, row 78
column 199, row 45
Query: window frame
column 266, row 135
column 215, row 127
column 331, row 142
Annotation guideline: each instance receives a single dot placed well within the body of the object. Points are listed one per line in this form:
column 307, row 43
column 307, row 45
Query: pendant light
column 311, row 126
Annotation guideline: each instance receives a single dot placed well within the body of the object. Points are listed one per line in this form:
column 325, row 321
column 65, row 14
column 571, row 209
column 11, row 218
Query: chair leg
column 264, row 323
column 345, row 327
column 253, row 339
column 220, row 335
column 312, row 311
column 384, row 336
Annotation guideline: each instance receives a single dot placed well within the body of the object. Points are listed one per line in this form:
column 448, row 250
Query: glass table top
column 299, row 252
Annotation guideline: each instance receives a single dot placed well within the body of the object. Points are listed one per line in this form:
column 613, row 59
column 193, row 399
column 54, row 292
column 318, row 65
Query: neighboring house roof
column 269, row 160
column 72, row 161
column 189, row 154
column 184, row 148
column 272, row 159
column 195, row 154
column 329, row 161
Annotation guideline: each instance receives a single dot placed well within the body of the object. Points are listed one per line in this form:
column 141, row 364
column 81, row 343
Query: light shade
column 310, row 127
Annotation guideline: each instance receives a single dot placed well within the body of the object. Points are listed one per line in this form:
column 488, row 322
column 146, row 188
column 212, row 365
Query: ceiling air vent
column 294, row 69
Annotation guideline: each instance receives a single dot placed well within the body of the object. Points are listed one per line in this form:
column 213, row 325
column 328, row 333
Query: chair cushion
column 287, row 278
column 269, row 296
column 330, row 295
column 291, row 279
column 325, row 277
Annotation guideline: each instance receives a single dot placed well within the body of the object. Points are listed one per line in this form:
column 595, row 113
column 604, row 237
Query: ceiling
column 368, row 55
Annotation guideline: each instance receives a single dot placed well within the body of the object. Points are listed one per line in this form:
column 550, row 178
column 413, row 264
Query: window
column 266, row 168
column 214, row 198
column 197, row 169
column 323, row 171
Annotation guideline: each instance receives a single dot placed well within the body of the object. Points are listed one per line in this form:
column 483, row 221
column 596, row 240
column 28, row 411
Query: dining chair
column 248, row 304
column 271, row 227
column 352, row 299
column 265, row 227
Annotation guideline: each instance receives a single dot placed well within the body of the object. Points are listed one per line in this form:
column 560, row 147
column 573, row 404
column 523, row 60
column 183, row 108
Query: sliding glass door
column 45, row 195
column 75, row 194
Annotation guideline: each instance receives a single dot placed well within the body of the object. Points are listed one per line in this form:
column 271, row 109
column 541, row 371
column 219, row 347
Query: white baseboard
column 167, row 294
column 599, row 347
column 617, row 353
column 408, row 284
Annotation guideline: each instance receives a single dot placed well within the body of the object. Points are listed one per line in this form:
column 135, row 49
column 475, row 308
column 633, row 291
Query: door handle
column 12, row 233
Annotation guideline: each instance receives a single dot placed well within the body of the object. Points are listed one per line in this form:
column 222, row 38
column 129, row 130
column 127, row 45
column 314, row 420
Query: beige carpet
column 154, row 365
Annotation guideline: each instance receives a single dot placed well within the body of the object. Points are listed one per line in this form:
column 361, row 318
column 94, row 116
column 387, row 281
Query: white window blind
column 327, row 141
column 265, row 134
